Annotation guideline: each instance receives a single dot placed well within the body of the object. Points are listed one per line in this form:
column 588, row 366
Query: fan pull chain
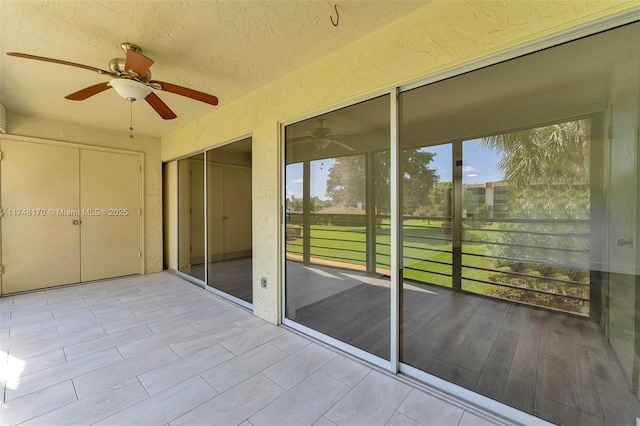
column 131, row 119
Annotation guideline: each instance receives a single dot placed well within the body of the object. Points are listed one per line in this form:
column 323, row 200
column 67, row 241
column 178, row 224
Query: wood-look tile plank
column 170, row 374
column 296, row 367
column 138, row 320
column 421, row 352
column 205, row 339
column 442, row 329
column 570, row 384
column 29, row 338
column 468, row 352
column 346, row 370
column 37, row 403
column 56, row 342
column 46, row 323
column 236, row 405
column 17, row 367
column 164, row 407
column 371, row 402
column 86, row 347
column 95, row 407
column 453, row 373
column 508, row 383
column 565, row 415
column 120, row 372
column 317, row 393
column 252, row 338
column 60, row 373
column 234, row 371
column 428, row 409
column 519, row 351
column 157, row 340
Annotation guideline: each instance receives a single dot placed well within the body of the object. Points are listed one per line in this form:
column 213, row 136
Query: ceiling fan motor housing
column 321, row 133
column 116, row 66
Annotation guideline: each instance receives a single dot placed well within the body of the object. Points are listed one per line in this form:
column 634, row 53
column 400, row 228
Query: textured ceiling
column 226, row 48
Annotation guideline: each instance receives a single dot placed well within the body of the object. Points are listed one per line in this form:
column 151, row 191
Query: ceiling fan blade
column 299, row 140
column 189, row 93
column 345, row 146
column 137, row 62
column 87, row 92
column 161, row 108
column 301, row 143
column 58, row 61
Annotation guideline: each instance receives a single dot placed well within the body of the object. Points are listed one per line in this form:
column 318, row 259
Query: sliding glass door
column 516, row 240
column 229, row 246
column 214, row 214
column 337, row 225
column 191, row 260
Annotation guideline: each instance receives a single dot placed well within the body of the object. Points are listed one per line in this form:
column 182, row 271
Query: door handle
column 75, row 222
column 621, row 242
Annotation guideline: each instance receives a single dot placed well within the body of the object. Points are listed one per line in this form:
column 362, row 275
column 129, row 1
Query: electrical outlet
column 263, row 282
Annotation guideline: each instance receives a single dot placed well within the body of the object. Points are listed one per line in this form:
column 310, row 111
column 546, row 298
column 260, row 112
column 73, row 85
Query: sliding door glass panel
column 526, row 216
column 427, row 203
column 541, row 308
column 427, row 189
column 623, row 207
column 337, row 225
column 229, row 248
column 191, row 216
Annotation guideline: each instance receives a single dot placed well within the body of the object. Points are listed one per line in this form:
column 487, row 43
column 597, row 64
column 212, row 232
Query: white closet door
column 39, row 193
column 237, row 212
column 111, row 220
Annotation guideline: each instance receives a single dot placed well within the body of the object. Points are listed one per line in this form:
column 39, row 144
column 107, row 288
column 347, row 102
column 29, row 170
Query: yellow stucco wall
column 68, row 132
column 436, row 37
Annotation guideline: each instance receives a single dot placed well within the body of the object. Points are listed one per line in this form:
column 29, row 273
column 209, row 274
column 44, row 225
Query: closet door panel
column 40, row 228
column 111, row 221
column 237, row 212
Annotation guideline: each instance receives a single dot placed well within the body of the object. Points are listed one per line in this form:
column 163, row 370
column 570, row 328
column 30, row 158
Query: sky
column 479, row 165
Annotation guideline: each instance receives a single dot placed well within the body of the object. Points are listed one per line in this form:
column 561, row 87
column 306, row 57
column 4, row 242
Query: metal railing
column 501, row 258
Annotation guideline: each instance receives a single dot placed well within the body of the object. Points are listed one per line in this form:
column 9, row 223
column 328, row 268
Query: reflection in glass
column 229, row 219
column 541, row 307
column 427, row 190
column 191, row 216
column 337, row 225
column 526, row 236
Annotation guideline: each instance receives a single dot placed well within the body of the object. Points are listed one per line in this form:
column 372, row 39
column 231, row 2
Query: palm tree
column 551, row 155
column 547, row 169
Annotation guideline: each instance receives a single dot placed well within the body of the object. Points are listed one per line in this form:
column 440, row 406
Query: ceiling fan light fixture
column 131, row 90
column 321, row 142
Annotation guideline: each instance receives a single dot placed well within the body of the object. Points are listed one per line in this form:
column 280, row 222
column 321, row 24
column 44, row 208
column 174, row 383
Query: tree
column 547, row 169
column 440, row 200
column 550, row 155
column 346, row 182
column 417, row 179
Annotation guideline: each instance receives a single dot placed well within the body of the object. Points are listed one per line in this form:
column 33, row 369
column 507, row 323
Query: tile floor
column 156, row 350
column 553, row 365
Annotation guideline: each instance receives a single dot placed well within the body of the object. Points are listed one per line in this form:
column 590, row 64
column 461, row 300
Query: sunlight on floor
column 11, row 370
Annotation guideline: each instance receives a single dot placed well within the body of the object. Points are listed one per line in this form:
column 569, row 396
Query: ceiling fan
column 131, row 79
column 320, row 137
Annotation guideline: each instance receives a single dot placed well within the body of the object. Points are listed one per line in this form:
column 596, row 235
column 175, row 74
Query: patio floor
column 156, row 350
column 557, row 366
